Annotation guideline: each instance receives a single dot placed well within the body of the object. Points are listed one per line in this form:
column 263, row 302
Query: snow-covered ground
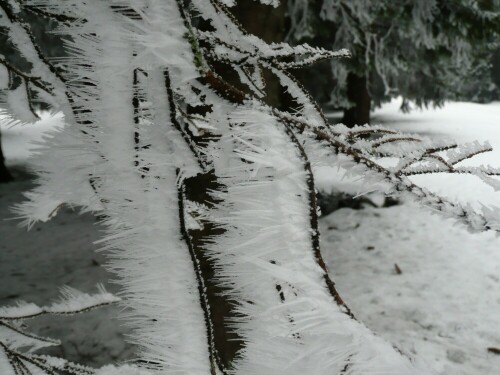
column 442, row 308
column 35, row 264
column 460, row 122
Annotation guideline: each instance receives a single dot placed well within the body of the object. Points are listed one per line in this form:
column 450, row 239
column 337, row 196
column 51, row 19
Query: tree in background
column 12, row 88
column 424, row 51
column 483, row 86
column 270, row 24
column 186, row 168
column 5, row 175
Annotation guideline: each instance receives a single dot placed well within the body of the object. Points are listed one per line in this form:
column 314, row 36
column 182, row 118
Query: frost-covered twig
column 17, row 347
column 149, row 112
column 72, row 302
column 402, row 185
column 28, row 78
column 40, row 11
column 215, row 360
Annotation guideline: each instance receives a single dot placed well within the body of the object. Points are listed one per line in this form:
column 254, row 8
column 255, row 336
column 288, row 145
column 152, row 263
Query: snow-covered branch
column 17, row 346
column 72, row 302
column 150, row 108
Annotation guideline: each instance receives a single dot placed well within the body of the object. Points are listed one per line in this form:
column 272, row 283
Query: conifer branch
column 13, row 339
column 15, row 20
column 387, row 140
column 313, row 214
column 28, row 78
column 215, row 360
column 31, row 336
column 260, row 158
column 36, row 10
column 173, row 118
column 73, row 302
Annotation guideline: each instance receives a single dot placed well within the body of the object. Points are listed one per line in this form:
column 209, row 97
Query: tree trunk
column 5, row 175
column 269, row 24
column 227, row 342
column 264, row 21
column 357, row 93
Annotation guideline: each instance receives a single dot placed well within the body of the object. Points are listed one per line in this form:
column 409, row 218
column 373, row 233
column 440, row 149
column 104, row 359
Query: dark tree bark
column 227, row 342
column 358, row 94
column 5, row 175
column 269, row 24
column 264, row 21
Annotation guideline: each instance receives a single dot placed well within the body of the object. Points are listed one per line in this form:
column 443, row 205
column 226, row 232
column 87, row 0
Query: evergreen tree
column 269, row 24
column 424, row 51
column 42, row 27
column 5, row 175
column 484, row 83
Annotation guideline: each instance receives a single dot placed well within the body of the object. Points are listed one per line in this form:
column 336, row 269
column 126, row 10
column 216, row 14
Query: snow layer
column 462, row 122
column 20, row 140
column 442, row 309
column 35, row 264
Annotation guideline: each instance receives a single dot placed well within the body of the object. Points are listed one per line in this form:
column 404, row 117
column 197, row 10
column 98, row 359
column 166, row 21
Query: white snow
column 443, row 309
column 72, row 302
column 20, row 140
column 461, row 122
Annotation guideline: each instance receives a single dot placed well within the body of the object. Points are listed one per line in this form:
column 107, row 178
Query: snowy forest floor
column 440, row 304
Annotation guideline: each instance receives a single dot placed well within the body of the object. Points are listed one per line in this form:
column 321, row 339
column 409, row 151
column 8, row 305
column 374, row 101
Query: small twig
column 394, row 140
column 397, row 269
column 494, row 350
column 58, row 17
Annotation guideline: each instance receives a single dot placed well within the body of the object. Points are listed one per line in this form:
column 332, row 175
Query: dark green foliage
column 426, row 52
column 44, row 31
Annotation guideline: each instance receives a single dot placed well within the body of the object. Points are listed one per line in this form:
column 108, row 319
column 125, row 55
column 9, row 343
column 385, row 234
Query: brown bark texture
column 267, row 23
